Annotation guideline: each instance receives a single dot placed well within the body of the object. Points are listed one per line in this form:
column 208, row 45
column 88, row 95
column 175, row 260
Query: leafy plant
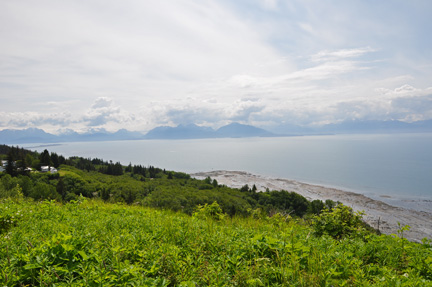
column 94, row 243
column 212, row 211
column 338, row 222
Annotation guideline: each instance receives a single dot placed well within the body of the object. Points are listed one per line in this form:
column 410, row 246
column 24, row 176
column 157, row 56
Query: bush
column 212, row 211
column 338, row 222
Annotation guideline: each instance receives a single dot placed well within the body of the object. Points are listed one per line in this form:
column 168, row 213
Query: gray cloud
column 102, row 102
column 103, row 112
column 148, row 63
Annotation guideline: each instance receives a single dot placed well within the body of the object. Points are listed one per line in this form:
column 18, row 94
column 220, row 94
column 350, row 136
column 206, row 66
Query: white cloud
column 152, row 62
column 340, row 54
column 102, row 102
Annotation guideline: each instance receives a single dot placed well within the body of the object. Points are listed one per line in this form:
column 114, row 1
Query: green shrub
column 338, row 222
column 212, row 211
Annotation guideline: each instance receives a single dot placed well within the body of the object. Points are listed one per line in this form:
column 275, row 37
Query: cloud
column 209, row 113
column 103, row 112
column 141, row 49
column 340, row 54
column 405, row 103
column 34, row 119
column 326, row 68
column 102, row 102
column 149, row 63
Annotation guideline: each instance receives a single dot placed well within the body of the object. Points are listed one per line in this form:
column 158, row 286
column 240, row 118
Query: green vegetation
column 97, row 223
column 147, row 186
column 93, row 243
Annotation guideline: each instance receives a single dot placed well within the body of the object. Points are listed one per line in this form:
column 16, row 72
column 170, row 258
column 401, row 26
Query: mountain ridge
column 190, row 131
column 233, row 130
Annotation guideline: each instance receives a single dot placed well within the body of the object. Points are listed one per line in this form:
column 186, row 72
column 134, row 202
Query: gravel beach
column 377, row 213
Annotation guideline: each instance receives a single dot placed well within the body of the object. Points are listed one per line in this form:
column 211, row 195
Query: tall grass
column 92, row 243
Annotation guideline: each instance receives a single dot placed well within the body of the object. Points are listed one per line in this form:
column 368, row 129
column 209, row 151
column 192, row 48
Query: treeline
column 147, row 186
column 20, row 161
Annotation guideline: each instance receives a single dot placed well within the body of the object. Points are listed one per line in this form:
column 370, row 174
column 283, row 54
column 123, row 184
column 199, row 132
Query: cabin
column 47, row 168
column 3, row 165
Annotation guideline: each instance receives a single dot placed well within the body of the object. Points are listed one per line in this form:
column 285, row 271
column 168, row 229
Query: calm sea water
column 398, row 166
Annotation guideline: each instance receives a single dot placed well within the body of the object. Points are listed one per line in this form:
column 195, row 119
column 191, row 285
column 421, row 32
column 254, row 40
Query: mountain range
column 233, row 130
column 191, row 131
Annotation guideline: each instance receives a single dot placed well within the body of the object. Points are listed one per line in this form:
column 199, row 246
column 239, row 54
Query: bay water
column 395, row 168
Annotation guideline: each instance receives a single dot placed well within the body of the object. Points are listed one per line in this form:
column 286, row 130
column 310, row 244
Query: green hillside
column 135, row 184
column 92, row 243
column 98, row 223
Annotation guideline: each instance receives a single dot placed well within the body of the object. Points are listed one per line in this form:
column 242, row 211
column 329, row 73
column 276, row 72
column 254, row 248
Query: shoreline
column 377, row 213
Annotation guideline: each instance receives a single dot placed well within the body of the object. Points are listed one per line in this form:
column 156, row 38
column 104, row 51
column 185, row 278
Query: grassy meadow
column 94, row 243
column 98, row 223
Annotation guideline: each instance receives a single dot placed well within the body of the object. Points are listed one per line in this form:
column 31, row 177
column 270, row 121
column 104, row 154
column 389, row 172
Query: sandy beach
column 377, row 213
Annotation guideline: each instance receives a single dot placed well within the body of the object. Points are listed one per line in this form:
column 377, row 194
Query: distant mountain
column 236, row 130
column 29, row 135
column 378, row 127
column 34, row 135
column 190, row 131
column 357, row 127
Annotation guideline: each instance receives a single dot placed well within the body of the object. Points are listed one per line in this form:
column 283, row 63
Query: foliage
column 212, row 211
column 338, row 222
column 149, row 186
column 93, row 243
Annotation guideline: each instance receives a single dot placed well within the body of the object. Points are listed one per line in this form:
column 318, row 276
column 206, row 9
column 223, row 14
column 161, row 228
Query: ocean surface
column 393, row 168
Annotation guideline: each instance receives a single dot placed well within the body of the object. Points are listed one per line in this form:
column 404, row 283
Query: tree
column 29, row 159
column 62, row 160
column 55, row 160
column 45, row 158
column 21, row 164
column 316, row 206
column 117, row 169
column 129, row 168
column 61, row 188
column 11, row 167
column 245, row 188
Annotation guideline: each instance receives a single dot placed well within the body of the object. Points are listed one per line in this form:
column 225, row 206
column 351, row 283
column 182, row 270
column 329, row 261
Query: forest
column 136, row 184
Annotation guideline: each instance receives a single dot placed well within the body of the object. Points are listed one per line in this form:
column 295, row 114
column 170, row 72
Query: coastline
column 377, row 213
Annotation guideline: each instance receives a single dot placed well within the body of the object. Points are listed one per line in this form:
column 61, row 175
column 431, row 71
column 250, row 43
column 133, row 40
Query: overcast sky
column 138, row 64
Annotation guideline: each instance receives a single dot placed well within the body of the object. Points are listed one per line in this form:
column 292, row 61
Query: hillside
column 97, row 223
column 91, row 243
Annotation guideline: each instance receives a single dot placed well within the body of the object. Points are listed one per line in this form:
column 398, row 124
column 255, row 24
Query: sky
column 133, row 64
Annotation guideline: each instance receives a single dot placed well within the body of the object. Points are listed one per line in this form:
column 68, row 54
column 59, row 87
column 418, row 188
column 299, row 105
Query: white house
column 3, row 165
column 47, row 168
